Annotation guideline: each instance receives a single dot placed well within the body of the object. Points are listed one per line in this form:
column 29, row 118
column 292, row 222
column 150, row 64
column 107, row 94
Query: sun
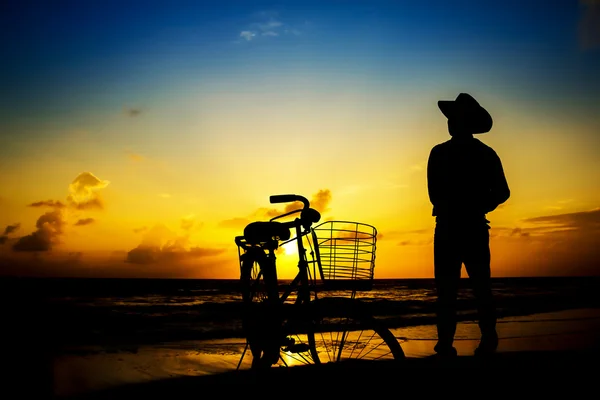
column 290, row 248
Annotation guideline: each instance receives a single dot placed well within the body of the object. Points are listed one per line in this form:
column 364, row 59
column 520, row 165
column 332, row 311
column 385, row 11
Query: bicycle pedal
column 297, row 348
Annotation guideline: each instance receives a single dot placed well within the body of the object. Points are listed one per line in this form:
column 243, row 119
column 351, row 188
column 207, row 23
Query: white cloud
column 294, row 32
column 248, row 35
column 271, row 25
column 266, row 24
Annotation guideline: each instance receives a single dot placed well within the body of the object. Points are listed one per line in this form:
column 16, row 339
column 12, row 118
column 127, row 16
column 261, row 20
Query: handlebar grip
column 239, row 241
column 287, row 198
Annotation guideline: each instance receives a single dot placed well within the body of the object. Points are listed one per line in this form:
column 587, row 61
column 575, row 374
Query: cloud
column 131, row 111
column 267, row 24
column 587, row 220
column 268, row 28
column 560, row 244
column 519, row 232
column 59, row 263
column 83, row 195
column 84, row 191
column 84, row 221
column 161, row 245
column 49, row 228
column 589, row 24
column 248, row 35
column 205, row 252
column 142, row 229
column 143, row 255
column 234, row 223
column 187, row 222
column 424, row 242
column 412, row 237
column 150, row 247
column 11, row 228
column 295, row 32
column 583, row 222
column 47, row 203
column 135, row 157
column 319, row 201
column 156, row 236
column 43, row 264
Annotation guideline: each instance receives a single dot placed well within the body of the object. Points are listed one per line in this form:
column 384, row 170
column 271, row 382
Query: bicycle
column 316, row 317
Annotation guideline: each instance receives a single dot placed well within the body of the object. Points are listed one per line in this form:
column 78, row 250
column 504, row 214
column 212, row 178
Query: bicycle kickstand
column 243, row 354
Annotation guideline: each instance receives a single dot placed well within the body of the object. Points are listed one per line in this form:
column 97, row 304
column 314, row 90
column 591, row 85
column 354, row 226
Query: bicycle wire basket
column 345, row 254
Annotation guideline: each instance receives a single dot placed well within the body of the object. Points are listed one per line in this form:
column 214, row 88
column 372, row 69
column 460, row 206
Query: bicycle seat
column 261, row 231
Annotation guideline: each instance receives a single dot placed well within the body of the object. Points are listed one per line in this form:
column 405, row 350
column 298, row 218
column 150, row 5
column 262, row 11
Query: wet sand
column 558, row 341
column 537, row 372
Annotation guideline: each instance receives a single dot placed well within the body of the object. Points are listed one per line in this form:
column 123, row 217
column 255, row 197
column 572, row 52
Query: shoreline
column 173, row 335
column 546, row 339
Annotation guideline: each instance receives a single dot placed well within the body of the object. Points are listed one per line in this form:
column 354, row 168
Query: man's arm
column 434, row 181
column 499, row 190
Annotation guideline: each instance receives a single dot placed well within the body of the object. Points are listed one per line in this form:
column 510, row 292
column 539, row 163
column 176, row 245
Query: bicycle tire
column 348, row 332
column 277, row 334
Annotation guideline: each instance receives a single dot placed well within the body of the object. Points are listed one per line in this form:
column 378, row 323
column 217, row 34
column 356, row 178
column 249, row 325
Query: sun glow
column 290, row 248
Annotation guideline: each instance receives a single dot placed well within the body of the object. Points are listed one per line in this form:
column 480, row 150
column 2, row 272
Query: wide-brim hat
column 468, row 112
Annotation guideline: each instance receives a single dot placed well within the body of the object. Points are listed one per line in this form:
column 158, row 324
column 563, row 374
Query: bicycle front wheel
column 347, row 331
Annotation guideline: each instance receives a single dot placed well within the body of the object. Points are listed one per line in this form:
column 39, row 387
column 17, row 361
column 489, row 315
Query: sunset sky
column 137, row 139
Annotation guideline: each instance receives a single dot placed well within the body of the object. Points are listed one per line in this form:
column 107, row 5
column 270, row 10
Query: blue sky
column 56, row 53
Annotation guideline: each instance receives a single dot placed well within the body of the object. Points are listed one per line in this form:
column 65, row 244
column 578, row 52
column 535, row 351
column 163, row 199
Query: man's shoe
column 487, row 345
column 445, row 351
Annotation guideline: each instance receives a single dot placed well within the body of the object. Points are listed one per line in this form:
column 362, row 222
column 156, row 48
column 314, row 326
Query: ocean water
column 105, row 311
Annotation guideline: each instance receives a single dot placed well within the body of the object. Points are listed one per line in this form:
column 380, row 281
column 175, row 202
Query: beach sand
column 564, row 340
column 557, row 343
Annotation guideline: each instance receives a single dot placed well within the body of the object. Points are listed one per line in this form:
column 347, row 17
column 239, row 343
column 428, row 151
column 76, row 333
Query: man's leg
column 477, row 264
column 447, row 265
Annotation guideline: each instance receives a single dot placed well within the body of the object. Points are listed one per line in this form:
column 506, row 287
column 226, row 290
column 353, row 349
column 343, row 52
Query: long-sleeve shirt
column 465, row 180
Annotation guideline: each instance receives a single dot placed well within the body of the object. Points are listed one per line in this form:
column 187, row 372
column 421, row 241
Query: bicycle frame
column 302, row 281
column 263, row 253
column 306, row 329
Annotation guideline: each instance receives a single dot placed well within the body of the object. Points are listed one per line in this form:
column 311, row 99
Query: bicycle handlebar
column 308, row 215
column 257, row 232
column 288, row 198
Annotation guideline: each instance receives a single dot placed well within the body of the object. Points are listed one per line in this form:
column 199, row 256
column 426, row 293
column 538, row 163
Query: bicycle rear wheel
column 277, row 333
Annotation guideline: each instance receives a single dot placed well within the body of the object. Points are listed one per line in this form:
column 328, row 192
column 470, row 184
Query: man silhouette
column 465, row 181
